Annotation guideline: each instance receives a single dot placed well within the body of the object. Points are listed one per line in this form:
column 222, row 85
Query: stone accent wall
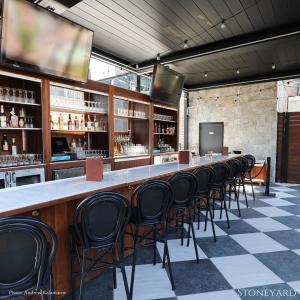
column 250, row 120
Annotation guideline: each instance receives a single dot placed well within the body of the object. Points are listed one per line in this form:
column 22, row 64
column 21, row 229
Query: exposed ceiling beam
column 245, row 80
column 224, row 45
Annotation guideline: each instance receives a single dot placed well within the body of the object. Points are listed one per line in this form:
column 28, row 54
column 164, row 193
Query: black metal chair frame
column 218, row 191
column 152, row 227
column 183, row 207
column 41, row 275
column 83, row 241
column 251, row 163
column 202, row 196
column 235, row 170
column 240, row 182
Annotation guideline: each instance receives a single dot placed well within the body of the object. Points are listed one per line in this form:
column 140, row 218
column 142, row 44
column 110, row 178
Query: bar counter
column 54, row 201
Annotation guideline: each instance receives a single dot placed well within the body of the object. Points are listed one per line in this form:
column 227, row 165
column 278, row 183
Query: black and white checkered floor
column 257, row 258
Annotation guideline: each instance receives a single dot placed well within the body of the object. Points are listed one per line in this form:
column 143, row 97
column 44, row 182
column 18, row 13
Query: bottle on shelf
column 82, row 123
column 159, row 129
column 22, row 118
column 76, row 123
column 14, row 120
column 14, row 147
column 51, row 122
column 70, row 123
column 162, row 129
column 73, row 145
column 155, row 127
column 89, row 123
column 5, row 145
column 96, row 123
column 3, row 122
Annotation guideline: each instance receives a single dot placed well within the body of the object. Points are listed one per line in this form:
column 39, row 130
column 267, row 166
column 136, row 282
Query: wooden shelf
column 28, row 129
column 164, row 133
column 75, row 110
column 19, row 103
column 164, row 121
column 129, row 117
column 76, row 131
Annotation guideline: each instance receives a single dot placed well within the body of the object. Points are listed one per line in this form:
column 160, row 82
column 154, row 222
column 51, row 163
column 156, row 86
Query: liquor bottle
column 96, row 124
column 82, row 123
column 14, row 147
column 159, row 129
column 73, row 145
column 51, row 122
column 14, row 120
column 70, row 123
column 3, row 123
column 89, row 123
column 5, row 142
column 162, row 129
column 76, row 123
column 155, row 127
column 21, row 118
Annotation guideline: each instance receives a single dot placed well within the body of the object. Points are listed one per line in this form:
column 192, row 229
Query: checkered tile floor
column 257, row 258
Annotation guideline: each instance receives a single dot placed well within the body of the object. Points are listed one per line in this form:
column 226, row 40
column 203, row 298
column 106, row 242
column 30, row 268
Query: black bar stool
column 27, row 251
column 219, row 187
column 205, row 178
column 242, row 176
column 98, row 229
column 150, row 205
column 184, row 186
column 234, row 173
column 251, row 163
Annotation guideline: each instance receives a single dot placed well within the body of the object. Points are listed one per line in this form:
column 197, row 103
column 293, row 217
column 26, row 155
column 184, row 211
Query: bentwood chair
column 205, row 178
column 234, row 173
column 241, row 178
column 27, row 251
column 218, row 191
column 184, row 186
column 150, row 205
column 97, row 231
column 251, row 163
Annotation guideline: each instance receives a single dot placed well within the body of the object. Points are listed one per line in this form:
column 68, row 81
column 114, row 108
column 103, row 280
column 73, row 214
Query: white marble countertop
column 29, row 197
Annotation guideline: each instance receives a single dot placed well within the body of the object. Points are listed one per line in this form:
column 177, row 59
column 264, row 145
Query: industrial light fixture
column 136, row 66
column 273, row 66
column 185, row 44
column 223, row 25
column 205, row 74
column 238, row 71
column 158, row 56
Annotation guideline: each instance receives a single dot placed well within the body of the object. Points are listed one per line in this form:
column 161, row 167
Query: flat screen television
column 35, row 38
column 166, row 85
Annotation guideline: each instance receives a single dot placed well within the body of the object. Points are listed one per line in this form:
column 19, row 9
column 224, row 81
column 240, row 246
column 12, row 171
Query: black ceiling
column 134, row 31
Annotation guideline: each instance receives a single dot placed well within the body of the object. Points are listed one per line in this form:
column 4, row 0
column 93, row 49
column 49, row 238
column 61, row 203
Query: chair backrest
column 251, row 162
column 205, row 179
column 27, row 250
column 184, row 186
column 235, row 168
column 151, row 201
column 244, row 164
column 222, row 172
column 101, row 218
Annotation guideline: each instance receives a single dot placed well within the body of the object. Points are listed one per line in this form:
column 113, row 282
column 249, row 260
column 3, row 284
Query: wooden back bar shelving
column 139, row 115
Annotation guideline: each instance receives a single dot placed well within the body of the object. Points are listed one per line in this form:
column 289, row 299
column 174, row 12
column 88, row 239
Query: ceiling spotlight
column 238, row 71
column 185, row 45
column 223, row 25
column 176, row 76
column 136, row 66
column 273, row 66
column 158, row 56
column 205, row 74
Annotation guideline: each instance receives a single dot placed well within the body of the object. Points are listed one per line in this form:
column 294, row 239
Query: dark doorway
column 211, row 137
